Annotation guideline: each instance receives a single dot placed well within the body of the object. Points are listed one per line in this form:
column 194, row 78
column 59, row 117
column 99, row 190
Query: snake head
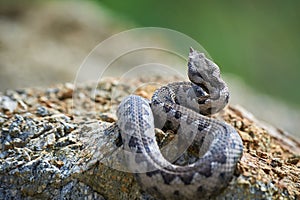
column 206, row 74
column 202, row 71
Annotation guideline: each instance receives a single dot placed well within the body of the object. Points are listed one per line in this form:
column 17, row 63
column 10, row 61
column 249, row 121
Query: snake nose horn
column 191, row 50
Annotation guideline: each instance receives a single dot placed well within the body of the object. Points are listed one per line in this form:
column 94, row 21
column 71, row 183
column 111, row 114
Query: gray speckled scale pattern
column 182, row 105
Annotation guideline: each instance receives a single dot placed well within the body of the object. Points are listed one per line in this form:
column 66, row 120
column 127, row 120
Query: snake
column 185, row 106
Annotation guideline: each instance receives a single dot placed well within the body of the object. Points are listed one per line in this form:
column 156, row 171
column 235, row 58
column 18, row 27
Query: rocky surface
column 59, row 143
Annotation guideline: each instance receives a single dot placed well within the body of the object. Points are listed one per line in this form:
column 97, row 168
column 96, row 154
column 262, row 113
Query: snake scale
column 183, row 106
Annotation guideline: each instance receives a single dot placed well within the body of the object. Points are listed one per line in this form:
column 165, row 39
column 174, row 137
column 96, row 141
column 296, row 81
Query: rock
column 51, row 151
column 8, row 104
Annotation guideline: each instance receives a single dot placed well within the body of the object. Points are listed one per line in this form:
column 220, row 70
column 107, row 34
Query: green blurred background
column 257, row 40
column 256, row 44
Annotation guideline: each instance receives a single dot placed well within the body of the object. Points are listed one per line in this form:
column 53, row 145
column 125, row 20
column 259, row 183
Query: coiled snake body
column 182, row 105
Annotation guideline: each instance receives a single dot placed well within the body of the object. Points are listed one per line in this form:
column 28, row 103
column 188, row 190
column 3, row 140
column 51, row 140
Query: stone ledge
column 54, row 145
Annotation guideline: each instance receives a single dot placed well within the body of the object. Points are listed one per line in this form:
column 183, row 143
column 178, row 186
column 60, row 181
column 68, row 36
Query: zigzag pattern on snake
column 183, row 106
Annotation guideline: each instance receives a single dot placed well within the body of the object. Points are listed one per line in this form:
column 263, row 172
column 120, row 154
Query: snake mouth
column 204, row 87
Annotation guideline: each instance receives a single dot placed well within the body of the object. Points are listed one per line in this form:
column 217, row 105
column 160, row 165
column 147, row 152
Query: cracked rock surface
column 60, row 143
